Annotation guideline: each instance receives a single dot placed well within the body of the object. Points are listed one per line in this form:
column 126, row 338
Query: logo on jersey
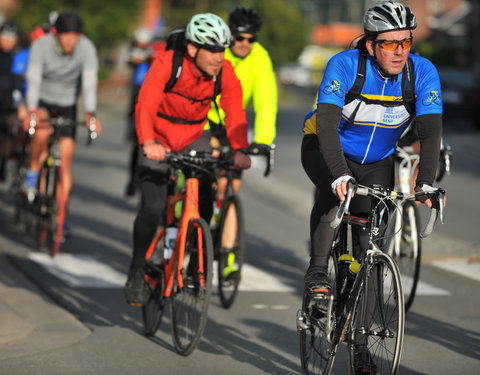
column 434, row 98
column 334, row 88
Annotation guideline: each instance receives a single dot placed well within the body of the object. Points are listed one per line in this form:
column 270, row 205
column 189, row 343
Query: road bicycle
column 228, row 231
column 42, row 209
column 404, row 239
column 186, row 277
column 371, row 315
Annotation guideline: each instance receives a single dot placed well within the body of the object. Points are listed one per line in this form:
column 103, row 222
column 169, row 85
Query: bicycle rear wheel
column 152, row 310
column 317, row 349
column 409, row 254
column 378, row 319
column 230, row 265
column 192, row 288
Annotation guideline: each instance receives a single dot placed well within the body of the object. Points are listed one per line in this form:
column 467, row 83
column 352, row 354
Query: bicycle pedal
column 301, row 319
column 135, row 304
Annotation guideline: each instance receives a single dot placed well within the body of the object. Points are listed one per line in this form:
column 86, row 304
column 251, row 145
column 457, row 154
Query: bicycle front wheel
column 409, row 253
column 231, row 230
column 316, row 324
column 378, row 319
column 192, row 287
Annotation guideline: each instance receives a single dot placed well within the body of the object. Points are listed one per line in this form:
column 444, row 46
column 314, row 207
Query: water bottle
column 170, row 238
column 348, row 268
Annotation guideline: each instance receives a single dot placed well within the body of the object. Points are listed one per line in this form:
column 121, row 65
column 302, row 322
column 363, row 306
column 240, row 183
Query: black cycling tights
column 326, row 203
column 153, row 208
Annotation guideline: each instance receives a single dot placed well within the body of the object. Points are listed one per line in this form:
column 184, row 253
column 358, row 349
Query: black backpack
column 408, row 84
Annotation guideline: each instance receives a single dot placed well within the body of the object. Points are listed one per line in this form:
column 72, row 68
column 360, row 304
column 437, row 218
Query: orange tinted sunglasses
column 392, row 44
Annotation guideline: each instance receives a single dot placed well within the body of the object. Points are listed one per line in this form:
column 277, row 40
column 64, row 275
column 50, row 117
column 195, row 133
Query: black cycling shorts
column 68, row 112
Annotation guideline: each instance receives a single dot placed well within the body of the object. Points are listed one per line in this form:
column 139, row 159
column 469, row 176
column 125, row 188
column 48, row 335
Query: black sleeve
column 328, row 119
column 430, row 134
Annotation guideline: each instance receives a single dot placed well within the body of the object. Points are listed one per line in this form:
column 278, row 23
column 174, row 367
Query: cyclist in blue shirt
column 356, row 137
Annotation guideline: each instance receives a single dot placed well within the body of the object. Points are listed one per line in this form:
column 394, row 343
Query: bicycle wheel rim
column 228, row 287
column 317, row 351
column 409, row 256
column 379, row 326
column 152, row 310
column 189, row 305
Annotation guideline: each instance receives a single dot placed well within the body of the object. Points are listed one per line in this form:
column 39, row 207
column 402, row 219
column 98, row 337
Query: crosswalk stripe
column 461, row 267
column 85, row 271
column 80, row 271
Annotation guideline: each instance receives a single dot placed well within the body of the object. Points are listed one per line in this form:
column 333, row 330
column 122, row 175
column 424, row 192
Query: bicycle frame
column 190, row 212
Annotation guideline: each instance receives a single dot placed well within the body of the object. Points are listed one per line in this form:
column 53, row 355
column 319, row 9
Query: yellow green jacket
column 259, row 86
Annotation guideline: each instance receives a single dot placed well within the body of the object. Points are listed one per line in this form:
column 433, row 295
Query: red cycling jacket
column 152, row 100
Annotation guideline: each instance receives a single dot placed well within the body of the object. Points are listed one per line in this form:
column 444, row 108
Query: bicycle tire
column 61, row 209
column 409, row 256
column 378, row 326
column 190, row 301
column 152, row 310
column 44, row 232
column 317, row 351
column 228, row 287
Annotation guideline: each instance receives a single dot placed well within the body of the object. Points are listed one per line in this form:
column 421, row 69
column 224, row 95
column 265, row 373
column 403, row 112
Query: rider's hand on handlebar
column 428, row 202
column 241, row 160
column 340, row 186
column 93, row 123
column 258, row 149
column 27, row 120
column 154, row 150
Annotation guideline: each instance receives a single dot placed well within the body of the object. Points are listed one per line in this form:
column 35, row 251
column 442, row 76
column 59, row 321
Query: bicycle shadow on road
column 454, row 338
column 238, row 346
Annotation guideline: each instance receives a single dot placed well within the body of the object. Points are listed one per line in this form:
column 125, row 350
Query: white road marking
column 80, row 271
column 460, row 266
column 424, row 289
column 254, row 279
column 84, row 271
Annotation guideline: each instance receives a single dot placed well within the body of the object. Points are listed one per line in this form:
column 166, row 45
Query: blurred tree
column 107, row 22
column 280, row 17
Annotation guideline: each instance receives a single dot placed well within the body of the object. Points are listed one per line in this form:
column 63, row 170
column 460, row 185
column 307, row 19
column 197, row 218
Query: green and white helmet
column 209, row 31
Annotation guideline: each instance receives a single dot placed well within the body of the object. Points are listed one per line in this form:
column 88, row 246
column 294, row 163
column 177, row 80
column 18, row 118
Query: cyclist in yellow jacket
column 253, row 66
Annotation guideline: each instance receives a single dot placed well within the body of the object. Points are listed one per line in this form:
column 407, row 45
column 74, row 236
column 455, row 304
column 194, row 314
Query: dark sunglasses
column 392, row 45
column 239, row 38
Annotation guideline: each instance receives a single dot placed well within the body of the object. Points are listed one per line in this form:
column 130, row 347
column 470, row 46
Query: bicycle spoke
column 378, row 319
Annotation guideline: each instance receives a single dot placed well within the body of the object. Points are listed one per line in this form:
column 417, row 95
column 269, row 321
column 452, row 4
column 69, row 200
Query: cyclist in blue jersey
column 356, row 137
column 9, row 46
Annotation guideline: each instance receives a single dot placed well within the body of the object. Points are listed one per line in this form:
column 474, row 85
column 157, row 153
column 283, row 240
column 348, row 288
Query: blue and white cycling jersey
column 375, row 129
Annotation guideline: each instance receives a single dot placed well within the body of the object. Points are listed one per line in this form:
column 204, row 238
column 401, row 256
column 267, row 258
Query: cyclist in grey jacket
column 60, row 66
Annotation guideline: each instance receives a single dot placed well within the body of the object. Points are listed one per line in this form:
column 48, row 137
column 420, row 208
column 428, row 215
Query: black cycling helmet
column 10, row 29
column 69, row 21
column 244, row 20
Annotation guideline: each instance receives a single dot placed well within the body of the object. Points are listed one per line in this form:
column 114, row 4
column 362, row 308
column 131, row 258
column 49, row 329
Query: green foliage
column 106, row 22
column 280, row 17
column 285, row 31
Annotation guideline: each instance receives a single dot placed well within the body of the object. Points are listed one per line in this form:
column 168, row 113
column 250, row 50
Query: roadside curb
column 30, row 321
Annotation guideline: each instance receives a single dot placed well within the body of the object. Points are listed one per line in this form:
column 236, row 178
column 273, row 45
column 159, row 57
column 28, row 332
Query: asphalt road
column 257, row 335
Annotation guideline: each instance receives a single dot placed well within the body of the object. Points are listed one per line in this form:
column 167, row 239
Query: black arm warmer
column 328, row 119
column 430, row 134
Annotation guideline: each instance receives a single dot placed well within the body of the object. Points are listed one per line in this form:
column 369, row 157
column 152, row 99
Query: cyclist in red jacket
column 172, row 119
